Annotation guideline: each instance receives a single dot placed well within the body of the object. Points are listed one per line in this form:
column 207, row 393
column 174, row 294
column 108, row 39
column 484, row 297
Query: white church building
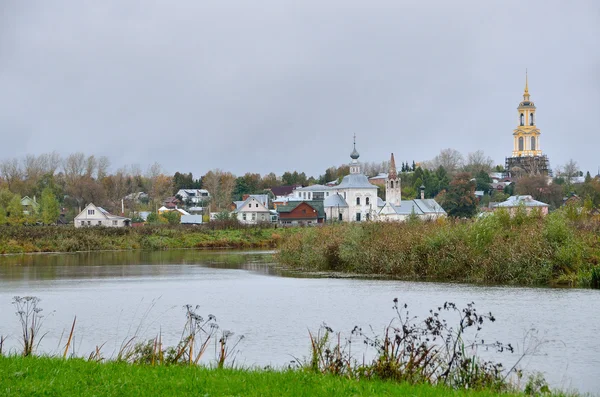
column 355, row 198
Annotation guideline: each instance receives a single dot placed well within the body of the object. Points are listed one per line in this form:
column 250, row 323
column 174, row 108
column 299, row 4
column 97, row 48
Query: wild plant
column 428, row 351
column 31, row 322
column 225, row 351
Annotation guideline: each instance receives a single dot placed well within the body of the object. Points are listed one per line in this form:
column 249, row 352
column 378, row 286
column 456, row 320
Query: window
column 244, row 216
column 91, row 212
column 358, row 217
column 391, row 184
column 115, row 223
column 262, row 217
column 82, row 223
column 532, row 143
column 90, row 223
column 256, row 205
column 99, row 223
column 250, row 205
column 254, row 216
column 522, row 119
column 520, row 143
column 368, row 216
column 367, row 201
column 340, row 216
column 530, row 118
column 358, row 201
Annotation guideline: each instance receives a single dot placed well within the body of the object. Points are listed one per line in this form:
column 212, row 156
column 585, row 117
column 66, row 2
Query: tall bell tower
column 526, row 137
column 393, row 193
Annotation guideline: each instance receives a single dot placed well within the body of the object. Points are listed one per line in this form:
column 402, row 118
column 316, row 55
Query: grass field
column 39, row 376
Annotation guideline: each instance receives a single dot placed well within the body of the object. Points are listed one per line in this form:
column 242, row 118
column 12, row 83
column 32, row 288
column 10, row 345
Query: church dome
column 354, row 155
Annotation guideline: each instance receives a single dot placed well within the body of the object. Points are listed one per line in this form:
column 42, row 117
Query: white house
column 98, row 216
column 193, row 195
column 252, row 211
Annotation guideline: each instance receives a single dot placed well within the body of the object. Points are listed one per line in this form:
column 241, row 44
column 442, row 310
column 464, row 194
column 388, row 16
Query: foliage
column 460, row 200
column 49, row 207
column 428, row 351
column 15, row 211
column 526, row 249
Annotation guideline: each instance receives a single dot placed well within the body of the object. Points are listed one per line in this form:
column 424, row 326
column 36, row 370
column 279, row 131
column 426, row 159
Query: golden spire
column 526, row 93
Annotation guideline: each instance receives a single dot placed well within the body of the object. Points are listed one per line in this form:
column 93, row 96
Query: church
column 527, row 157
column 355, row 198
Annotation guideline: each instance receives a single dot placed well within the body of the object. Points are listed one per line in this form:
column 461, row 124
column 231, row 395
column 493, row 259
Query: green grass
column 40, row 376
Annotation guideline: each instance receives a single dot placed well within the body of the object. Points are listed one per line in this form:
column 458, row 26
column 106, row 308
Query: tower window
column 532, row 143
column 521, row 144
column 530, row 118
column 358, row 201
column 391, row 184
column 522, row 119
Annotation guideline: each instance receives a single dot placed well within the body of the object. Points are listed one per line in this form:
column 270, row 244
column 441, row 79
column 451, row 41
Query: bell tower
column 354, row 164
column 393, row 193
column 526, row 137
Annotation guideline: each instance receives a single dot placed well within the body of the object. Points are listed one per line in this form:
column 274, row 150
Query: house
column 164, row 209
column 261, row 198
column 302, row 212
column 527, row 202
column 252, row 211
column 171, row 202
column 97, row 216
column 396, row 209
column 193, row 196
column 30, row 206
column 283, row 191
column 312, row 192
column 137, row 197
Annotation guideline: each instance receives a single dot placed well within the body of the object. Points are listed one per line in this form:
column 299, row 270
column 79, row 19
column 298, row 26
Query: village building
column 527, row 157
column 193, row 196
column 93, row 215
column 30, row 206
column 513, row 203
column 164, row 209
column 252, row 211
column 396, row 209
column 302, row 213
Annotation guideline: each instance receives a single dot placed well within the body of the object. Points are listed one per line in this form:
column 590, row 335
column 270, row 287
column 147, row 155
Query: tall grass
column 499, row 249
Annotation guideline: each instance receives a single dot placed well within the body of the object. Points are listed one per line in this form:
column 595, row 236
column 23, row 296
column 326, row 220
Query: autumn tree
column 49, row 207
column 478, row 163
column 220, row 185
column 460, row 201
column 14, row 211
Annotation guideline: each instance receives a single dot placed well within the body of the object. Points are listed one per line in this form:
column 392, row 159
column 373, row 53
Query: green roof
column 291, row 205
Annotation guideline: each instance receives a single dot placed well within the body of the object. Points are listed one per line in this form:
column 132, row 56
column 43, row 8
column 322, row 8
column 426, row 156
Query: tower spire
column 526, row 93
column 392, row 173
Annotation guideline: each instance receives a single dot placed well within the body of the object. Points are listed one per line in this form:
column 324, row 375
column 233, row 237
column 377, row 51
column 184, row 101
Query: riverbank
column 31, row 239
column 53, row 376
column 522, row 250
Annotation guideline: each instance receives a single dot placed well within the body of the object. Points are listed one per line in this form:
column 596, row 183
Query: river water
column 116, row 295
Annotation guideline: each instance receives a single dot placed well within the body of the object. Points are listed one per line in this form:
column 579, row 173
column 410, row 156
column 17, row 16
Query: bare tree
column 450, row 159
column 477, row 161
column 102, row 167
column 12, row 172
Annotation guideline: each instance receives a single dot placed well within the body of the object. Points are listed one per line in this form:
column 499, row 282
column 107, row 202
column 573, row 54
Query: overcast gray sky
column 274, row 85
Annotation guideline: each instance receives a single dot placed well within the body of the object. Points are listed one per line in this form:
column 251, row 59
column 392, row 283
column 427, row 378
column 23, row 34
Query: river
column 116, row 295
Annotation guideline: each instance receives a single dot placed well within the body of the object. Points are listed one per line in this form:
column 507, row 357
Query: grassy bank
column 25, row 239
column 34, row 376
column 522, row 250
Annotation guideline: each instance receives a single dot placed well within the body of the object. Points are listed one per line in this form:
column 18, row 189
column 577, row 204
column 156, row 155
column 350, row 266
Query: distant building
column 301, row 213
column 30, row 206
column 527, row 157
column 513, row 203
column 194, row 196
column 97, row 216
column 396, row 209
column 252, row 211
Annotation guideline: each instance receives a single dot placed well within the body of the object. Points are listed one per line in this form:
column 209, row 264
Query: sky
column 276, row 85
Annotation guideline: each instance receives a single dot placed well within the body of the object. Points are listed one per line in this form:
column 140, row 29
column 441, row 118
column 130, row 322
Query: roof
column 380, row 202
column 335, row 200
column 313, row 188
column 250, row 198
column 283, row 190
column 191, row 219
column 316, row 204
column 356, row 181
column 516, row 201
column 418, row 207
column 381, row 175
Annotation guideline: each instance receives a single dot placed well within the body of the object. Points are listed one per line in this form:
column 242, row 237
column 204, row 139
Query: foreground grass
column 35, row 376
column 27, row 239
column 500, row 249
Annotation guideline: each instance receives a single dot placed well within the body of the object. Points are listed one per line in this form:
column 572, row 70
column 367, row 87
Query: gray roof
column 313, row 188
column 419, row 207
column 355, row 181
column 191, row 219
column 380, row 202
column 335, row 200
column 381, row 175
column 515, row 201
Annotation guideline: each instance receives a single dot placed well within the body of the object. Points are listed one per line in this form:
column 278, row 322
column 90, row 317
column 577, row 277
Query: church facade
column 527, row 157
